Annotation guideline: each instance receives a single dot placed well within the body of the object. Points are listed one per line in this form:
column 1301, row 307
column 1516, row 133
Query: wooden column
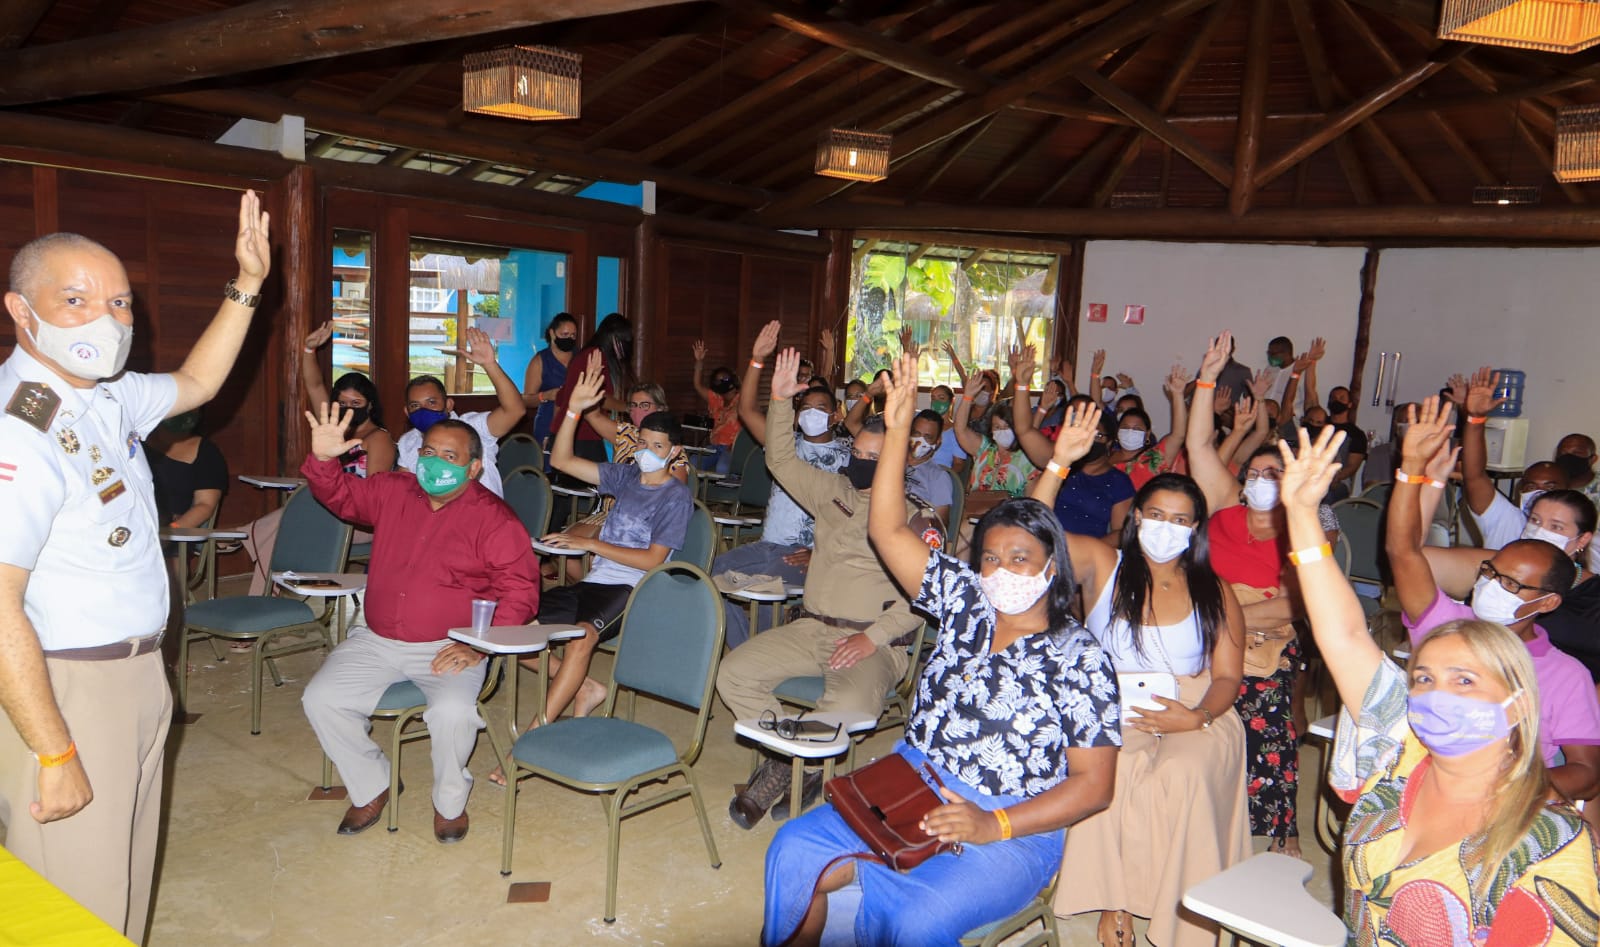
column 1369, row 295
column 303, row 264
column 835, row 299
column 646, row 284
column 46, row 201
column 1252, row 108
column 1069, row 305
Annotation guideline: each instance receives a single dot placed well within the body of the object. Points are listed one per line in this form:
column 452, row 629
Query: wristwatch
column 248, row 300
column 1209, row 719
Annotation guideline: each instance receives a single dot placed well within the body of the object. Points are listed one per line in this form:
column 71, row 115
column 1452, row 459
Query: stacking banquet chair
column 750, row 498
column 700, row 542
column 310, row 539
column 519, row 450
column 743, row 445
column 1040, row 909
column 527, row 492
column 807, row 691
column 671, row 641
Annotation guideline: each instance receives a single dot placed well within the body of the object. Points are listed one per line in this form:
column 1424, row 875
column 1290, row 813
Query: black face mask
column 1337, row 407
column 565, row 344
column 861, row 471
column 1312, row 430
column 722, row 385
column 1097, row 451
column 358, row 416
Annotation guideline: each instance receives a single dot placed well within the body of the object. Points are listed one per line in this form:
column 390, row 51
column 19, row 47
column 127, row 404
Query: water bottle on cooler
column 1510, row 388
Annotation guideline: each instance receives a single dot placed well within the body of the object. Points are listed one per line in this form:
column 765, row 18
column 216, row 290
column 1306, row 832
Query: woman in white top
column 1179, row 814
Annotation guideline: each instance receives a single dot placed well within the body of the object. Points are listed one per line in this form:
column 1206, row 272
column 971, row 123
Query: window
column 982, row 302
column 508, row 293
column 352, row 303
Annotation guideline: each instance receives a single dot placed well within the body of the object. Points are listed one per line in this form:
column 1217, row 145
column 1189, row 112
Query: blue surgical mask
column 1452, row 725
column 648, row 460
column 424, row 418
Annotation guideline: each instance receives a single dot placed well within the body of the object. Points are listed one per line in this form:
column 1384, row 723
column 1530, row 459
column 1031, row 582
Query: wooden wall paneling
column 19, row 212
column 46, row 210
column 307, row 300
column 390, row 296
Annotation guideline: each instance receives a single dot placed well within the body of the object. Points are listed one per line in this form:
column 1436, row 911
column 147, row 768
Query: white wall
column 1193, row 291
column 1530, row 309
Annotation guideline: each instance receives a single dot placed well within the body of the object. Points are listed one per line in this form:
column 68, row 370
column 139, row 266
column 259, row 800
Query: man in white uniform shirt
column 83, row 587
column 427, row 403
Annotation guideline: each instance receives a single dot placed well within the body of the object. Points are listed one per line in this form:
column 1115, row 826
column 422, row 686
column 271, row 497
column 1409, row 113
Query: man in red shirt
column 440, row 540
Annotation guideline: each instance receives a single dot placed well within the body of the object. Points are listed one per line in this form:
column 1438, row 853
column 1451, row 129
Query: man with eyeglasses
column 853, row 614
column 1523, row 580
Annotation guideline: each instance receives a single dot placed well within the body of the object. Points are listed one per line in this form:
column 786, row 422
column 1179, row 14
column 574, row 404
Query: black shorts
column 593, row 602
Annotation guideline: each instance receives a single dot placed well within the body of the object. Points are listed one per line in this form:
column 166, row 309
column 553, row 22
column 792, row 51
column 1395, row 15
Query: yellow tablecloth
column 35, row 913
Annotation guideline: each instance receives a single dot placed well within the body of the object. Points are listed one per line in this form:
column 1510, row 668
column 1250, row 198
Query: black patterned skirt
column 1271, row 748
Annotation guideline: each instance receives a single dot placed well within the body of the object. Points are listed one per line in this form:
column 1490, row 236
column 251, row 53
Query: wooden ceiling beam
column 1054, row 105
column 537, row 178
column 916, row 254
column 1019, row 155
column 952, row 153
column 867, row 44
column 1305, row 28
column 1151, row 121
column 1093, row 157
column 398, row 157
column 596, row 89
column 21, row 20
column 471, row 171
column 1252, row 108
column 1359, row 111
column 509, row 151
column 1408, row 171
column 259, row 35
column 322, row 144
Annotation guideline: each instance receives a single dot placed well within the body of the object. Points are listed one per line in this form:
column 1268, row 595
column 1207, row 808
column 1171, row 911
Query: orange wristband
column 1057, row 469
column 60, row 759
column 1205, row 384
column 1005, row 823
column 1401, row 476
column 1477, row 419
column 572, row 414
column 1302, row 557
column 758, row 366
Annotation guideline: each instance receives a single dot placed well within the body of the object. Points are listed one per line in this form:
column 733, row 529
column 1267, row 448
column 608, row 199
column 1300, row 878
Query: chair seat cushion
column 247, row 614
column 360, row 550
column 805, row 689
column 595, row 750
column 401, row 696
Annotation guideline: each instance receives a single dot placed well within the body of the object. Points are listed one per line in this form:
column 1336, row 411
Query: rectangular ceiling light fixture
column 1557, row 26
column 1506, row 194
column 853, row 155
column 1578, row 143
column 527, row 82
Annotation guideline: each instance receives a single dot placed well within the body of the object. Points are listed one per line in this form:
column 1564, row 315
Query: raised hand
column 1215, row 358
column 1097, row 364
column 1244, row 412
column 908, row 341
column 1261, row 384
column 1224, row 395
column 588, row 392
column 1480, row 392
column 1317, row 350
column 1124, row 380
column 1307, row 475
column 955, row 361
column 825, row 341
column 1177, row 380
column 1443, row 463
column 875, row 387
column 1078, row 429
column 900, row 394
column 319, row 336
column 1301, row 363
column 1023, row 364
column 1431, row 426
column 1458, row 390
column 699, row 350
column 766, row 342
column 327, row 432
column 479, row 349
column 253, row 247
column 784, row 373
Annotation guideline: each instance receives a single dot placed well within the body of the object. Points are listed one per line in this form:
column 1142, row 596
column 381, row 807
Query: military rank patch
column 933, row 538
column 34, row 403
column 112, row 492
column 68, row 439
column 101, row 475
column 119, row 537
column 94, row 453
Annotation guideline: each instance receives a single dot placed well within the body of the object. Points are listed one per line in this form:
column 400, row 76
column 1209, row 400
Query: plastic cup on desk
column 482, row 615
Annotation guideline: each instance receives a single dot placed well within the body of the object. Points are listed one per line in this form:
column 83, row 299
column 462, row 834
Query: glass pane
column 509, row 293
column 981, row 309
column 352, row 303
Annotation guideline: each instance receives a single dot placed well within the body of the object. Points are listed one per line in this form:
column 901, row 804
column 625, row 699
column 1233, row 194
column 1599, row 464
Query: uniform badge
column 119, row 537
column 34, row 403
column 933, row 538
column 133, row 444
column 112, row 492
column 94, row 453
column 68, row 439
column 101, row 475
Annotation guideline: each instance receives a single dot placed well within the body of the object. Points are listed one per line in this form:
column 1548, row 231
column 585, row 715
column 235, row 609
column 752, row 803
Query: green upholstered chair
column 527, row 492
column 519, row 450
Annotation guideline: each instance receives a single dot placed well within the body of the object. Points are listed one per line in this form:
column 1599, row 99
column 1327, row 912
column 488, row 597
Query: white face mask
column 814, row 422
column 1131, row 438
column 1261, row 494
column 92, row 351
column 1529, row 499
column 1163, row 541
column 1491, row 601
column 649, row 461
column 920, row 447
column 850, row 403
column 982, row 398
column 1533, row 531
column 1012, row 593
column 1005, row 438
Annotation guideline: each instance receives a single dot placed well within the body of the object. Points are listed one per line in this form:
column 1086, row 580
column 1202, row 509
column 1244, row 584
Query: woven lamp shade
column 1578, row 143
column 853, row 155
column 1557, row 26
column 527, row 82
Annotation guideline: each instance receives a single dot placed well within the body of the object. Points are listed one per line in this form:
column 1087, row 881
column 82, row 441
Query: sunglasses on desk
column 795, row 728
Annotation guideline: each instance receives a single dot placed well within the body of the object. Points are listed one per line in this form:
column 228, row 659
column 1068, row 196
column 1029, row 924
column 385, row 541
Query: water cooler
column 1506, row 430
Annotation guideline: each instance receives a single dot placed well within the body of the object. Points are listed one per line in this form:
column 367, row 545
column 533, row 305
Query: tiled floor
column 248, row 860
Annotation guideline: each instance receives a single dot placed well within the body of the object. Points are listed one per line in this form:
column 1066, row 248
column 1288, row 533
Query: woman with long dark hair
column 1179, row 813
column 613, row 339
column 547, row 373
column 1016, row 711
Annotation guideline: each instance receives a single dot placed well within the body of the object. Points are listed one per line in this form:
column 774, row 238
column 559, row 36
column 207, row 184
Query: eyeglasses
column 1488, row 571
column 804, row 731
column 1265, row 473
column 643, row 405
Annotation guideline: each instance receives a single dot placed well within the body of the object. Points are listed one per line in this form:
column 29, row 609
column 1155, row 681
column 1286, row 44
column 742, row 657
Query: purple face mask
column 1451, row 725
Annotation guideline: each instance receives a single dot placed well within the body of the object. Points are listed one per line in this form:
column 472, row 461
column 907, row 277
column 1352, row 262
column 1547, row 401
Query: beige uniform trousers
column 802, row 649
column 104, row 856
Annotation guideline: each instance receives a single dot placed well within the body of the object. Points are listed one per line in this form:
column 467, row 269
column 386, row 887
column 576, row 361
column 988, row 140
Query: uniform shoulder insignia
column 35, row 404
column 924, row 520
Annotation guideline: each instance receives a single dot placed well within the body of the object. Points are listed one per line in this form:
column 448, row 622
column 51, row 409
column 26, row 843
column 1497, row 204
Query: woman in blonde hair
column 1456, row 836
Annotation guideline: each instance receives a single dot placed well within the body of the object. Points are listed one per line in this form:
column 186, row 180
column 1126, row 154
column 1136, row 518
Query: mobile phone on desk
column 314, row 583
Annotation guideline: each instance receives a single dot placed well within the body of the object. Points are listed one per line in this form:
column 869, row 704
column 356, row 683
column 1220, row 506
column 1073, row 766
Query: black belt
column 832, row 622
column 116, row 651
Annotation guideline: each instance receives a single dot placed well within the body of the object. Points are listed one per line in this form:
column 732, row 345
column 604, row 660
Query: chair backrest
column 699, row 541
column 1361, row 523
column 755, row 483
column 527, row 492
column 692, row 481
column 958, row 503
column 310, row 539
column 742, row 446
column 671, row 640
column 1378, row 492
column 519, row 450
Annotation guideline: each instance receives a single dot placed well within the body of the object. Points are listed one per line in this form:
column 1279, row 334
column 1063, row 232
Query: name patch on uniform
column 112, row 492
column 842, row 508
column 34, row 403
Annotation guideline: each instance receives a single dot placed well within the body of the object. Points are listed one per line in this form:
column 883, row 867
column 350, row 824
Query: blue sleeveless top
column 552, row 376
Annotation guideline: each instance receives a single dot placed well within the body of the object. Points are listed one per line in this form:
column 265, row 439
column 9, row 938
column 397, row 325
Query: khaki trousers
column 104, row 856
column 801, row 649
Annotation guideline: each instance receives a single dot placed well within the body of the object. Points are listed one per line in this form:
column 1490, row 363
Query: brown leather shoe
column 449, row 830
column 766, row 785
column 358, row 819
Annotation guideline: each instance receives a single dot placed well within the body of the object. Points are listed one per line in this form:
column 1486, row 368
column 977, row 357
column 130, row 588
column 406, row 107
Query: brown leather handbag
column 884, row 803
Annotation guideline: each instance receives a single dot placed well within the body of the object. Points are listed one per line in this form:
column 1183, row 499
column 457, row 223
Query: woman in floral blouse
column 1016, row 711
column 1456, row 836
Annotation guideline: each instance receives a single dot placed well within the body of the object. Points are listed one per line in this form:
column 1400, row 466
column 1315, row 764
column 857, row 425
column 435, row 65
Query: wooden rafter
column 1152, row 122
column 1320, row 74
column 398, row 157
column 1252, row 108
column 952, row 153
column 1019, row 155
column 537, row 178
column 1093, row 157
column 596, row 89
column 20, row 20
column 867, row 44
column 259, row 35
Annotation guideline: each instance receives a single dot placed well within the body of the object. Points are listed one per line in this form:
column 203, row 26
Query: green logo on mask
column 438, row 476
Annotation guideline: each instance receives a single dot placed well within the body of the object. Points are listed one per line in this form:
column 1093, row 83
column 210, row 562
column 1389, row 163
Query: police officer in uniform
column 853, row 617
column 83, row 587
